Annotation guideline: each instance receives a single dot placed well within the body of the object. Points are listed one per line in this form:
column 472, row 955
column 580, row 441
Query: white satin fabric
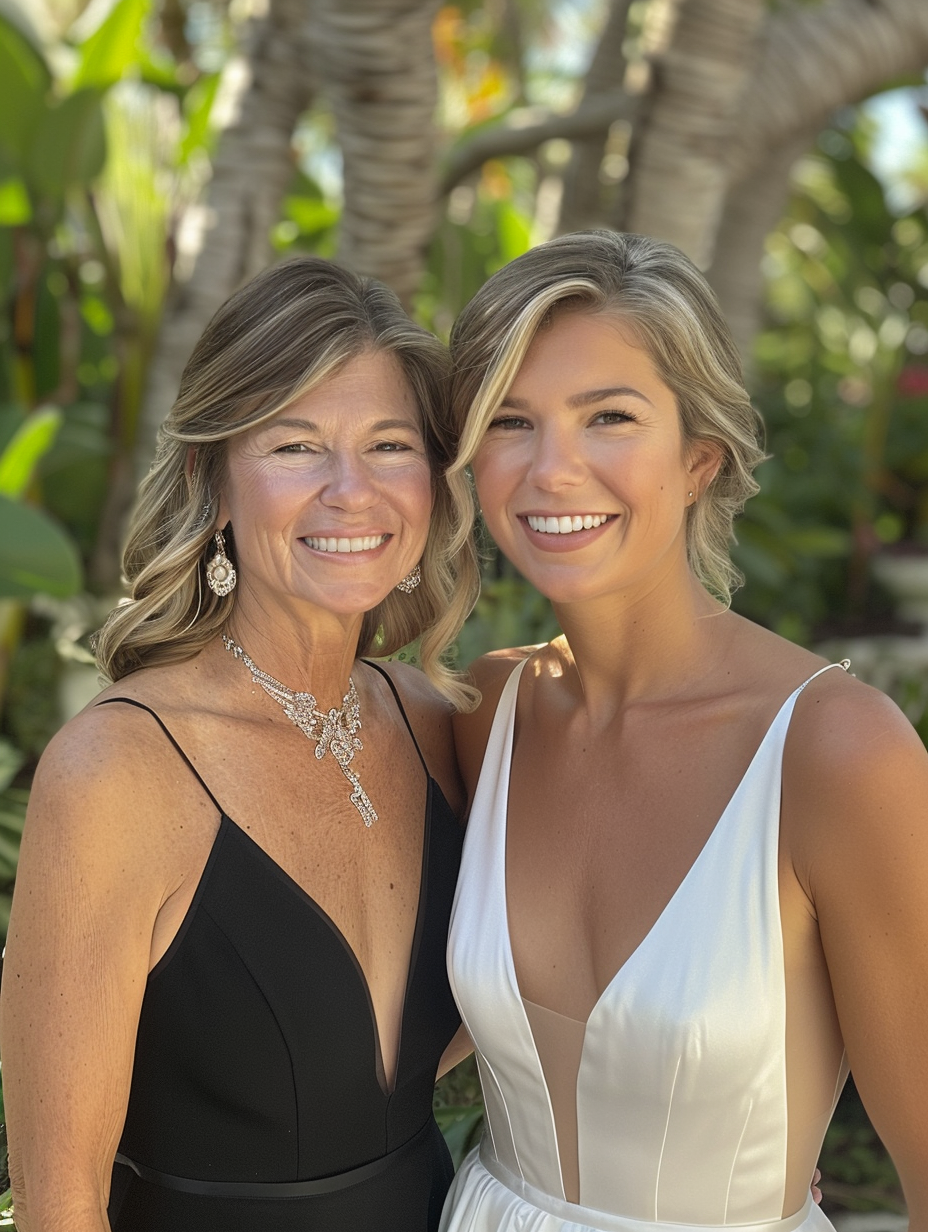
column 681, row 1093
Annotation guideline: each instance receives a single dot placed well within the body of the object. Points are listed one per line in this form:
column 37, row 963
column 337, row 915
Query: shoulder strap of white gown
column 842, row 663
column 505, row 708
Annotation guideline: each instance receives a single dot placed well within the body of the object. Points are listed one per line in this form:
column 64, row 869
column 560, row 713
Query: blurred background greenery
column 154, row 153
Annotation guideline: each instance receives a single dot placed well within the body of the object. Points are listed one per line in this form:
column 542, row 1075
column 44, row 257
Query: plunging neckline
column 227, row 825
column 290, row 881
column 632, row 957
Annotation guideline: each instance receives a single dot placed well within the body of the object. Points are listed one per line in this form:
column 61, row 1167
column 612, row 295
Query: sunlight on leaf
column 32, row 440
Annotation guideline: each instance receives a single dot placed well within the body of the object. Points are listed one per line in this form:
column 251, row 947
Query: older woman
column 693, row 885
column 225, row 997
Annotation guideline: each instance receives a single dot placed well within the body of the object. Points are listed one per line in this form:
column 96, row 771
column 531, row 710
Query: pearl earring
column 220, row 572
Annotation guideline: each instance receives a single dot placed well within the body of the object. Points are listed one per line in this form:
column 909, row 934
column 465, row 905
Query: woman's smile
column 565, row 532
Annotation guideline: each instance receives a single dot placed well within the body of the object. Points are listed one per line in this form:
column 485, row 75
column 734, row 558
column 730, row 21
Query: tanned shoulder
column 855, row 772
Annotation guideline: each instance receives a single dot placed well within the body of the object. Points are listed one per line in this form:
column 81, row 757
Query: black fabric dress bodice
column 258, row 1100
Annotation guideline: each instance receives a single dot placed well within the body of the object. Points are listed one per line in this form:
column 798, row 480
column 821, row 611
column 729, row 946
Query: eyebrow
column 587, row 398
column 306, row 425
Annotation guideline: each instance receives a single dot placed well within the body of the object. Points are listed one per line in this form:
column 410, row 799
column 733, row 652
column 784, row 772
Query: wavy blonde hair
column 281, row 335
column 673, row 312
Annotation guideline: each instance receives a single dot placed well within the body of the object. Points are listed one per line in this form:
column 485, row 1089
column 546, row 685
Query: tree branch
column 818, row 59
column 582, row 201
column 592, row 117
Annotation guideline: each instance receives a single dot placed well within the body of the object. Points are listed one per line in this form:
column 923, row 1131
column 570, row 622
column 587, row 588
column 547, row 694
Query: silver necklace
column 333, row 730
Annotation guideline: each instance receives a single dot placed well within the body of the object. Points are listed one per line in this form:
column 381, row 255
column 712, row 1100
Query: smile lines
column 363, row 543
column 567, row 524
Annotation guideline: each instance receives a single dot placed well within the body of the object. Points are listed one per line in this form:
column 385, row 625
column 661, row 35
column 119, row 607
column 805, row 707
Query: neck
column 310, row 650
column 649, row 645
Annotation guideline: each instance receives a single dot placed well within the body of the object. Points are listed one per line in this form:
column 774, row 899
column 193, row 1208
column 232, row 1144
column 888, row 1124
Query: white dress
column 681, row 1112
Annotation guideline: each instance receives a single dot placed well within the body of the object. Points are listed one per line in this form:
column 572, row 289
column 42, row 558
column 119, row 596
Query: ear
column 703, row 463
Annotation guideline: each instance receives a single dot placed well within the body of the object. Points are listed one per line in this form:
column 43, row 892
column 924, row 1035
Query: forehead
column 577, row 345
column 370, row 387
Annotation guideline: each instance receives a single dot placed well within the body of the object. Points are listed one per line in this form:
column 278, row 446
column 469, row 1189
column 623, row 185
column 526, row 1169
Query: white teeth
column 364, row 543
column 567, row 524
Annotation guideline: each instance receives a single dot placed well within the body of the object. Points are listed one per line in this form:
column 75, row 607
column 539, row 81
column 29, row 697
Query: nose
column 348, row 485
column 556, row 459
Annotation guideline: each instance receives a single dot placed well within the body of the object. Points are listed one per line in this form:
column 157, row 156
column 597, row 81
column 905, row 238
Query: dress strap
column 842, row 663
column 395, row 692
column 191, row 767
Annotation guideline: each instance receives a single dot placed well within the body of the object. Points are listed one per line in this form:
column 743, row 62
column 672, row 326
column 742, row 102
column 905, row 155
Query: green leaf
column 70, row 144
column 113, row 47
column 10, row 761
column 15, row 206
column 24, row 83
column 36, row 555
column 513, row 230
column 198, row 107
column 33, row 439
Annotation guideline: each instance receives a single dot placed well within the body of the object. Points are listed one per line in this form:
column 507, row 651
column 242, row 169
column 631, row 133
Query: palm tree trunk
column 679, row 175
column 376, row 64
column 752, row 210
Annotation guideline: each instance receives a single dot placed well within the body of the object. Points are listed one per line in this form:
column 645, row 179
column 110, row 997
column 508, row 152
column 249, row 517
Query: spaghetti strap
column 192, row 768
column 842, row 663
column 393, row 690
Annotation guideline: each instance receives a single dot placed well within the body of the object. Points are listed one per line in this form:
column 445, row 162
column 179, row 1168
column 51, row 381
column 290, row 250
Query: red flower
column 913, row 381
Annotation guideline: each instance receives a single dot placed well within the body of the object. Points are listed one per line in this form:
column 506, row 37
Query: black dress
column 258, row 1101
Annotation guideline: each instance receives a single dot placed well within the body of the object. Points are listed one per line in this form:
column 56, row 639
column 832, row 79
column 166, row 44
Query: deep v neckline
column 290, row 881
column 711, row 840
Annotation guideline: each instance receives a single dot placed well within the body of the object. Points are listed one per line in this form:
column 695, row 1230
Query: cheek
column 416, row 496
column 490, row 480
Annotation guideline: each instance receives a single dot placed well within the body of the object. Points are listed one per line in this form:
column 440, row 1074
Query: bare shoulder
column 472, row 731
column 855, row 776
column 430, row 715
column 105, row 783
column 845, row 730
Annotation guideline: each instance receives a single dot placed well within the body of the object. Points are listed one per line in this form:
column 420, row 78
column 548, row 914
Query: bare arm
column 856, row 782
column 459, row 1048
column 89, row 887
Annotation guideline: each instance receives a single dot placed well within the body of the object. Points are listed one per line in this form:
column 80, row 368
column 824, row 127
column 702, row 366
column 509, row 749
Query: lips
column 565, row 524
column 342, row 543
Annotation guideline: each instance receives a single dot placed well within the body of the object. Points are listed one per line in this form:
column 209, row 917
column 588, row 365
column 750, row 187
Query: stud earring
column 221, row 576
column 410, row 581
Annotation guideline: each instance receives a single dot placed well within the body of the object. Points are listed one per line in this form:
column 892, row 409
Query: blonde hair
column 278, row 337
column 672, row 311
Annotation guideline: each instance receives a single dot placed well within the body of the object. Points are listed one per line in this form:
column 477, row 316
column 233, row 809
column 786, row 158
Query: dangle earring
column 410, row 581
column 220, row 572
